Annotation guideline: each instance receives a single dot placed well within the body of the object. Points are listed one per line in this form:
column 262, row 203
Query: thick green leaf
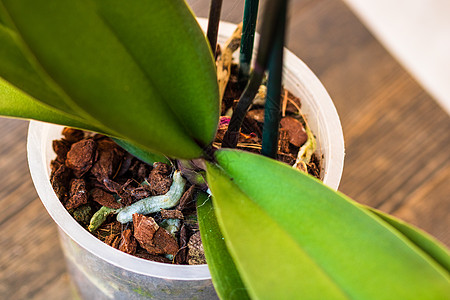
column 141, row 68
column 219, row 260
column 430, row 245
column 174, row 55
column 15, row 68
column 15, row 103
column 2, row 19
column 288, row 231
column 269, row 261
column 141, row 153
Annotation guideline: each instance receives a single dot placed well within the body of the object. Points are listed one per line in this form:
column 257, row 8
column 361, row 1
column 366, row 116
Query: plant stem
column 268, row 34
column 213, row 24
column 248, row 37
column 272, row 114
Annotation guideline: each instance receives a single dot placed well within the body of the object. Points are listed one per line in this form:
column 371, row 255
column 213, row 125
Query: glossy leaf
column 15, row 103
column 140, row 153
column 427, row 243
column 141, row 68
column 15, row 68
column 3, row 21
column 291, row 235
column 226, row 279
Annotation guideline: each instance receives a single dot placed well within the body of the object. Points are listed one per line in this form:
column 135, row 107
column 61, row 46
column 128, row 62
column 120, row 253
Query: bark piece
column 113, row 240
column 162, row 168
column 128, row 243
column 181, row 257
column 112, row 186
column 196, row 254
column 283, row 140
column 61, row 147
column 151, row 237
column 297, row 134
column 293, row 103
column 164, row 242
column 139, row 170
column 125, row 165
column 159, row 179
column 104, row 198
column 140, row 193
column 143, row 171
column 81, row 156
column 144, row 229
column 141, row 253
column 60, row 181
column 72, row 135
column 187, row 200
column 109, row 158
column 257, row 115
column 78, row 194
column 250, row 125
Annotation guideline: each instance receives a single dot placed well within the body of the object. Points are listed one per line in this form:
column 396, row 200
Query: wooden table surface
column 397, row 143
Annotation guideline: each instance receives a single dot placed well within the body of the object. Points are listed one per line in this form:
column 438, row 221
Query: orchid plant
column 143, row 73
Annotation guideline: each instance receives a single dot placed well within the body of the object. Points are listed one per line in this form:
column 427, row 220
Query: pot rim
column 39, row 151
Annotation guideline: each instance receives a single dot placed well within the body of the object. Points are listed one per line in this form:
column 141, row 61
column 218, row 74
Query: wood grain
column 397, row 143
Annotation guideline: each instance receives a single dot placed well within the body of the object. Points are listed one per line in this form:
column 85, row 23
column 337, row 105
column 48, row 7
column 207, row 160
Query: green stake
column 248, row 37
column 272, row 106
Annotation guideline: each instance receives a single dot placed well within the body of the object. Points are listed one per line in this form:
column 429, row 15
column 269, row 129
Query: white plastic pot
column 102, row 272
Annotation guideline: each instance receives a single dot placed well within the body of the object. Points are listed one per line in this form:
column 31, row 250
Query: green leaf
column 427, row 243
column 220, row 263
column 15, row 103
column 139, row 152
column 15, row 68
column 2, row 19
column 291, row 235
column 141, row 68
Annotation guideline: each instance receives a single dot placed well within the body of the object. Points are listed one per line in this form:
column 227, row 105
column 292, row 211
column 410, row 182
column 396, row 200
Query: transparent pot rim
column 40, row 136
